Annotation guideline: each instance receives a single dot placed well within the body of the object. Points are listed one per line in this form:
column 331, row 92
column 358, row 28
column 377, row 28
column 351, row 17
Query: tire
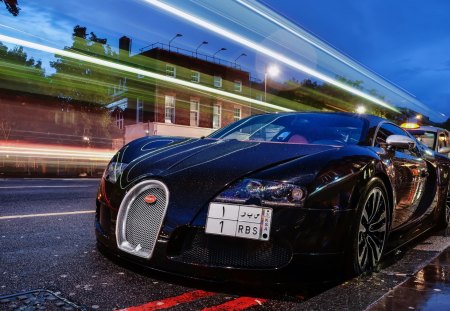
column 444, row 214
column 370, row 229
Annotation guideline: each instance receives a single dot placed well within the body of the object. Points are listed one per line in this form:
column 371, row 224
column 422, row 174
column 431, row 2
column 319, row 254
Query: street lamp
column 204, row 42
column 271, row 71
column 361, row 109
column 221, row 49
column 242, row 54
column 176, row 36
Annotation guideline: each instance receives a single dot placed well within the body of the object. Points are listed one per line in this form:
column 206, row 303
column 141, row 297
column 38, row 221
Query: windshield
column 426, row 138
column 301, row 128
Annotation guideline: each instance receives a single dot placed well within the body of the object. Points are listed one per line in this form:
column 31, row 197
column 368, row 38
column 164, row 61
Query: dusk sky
column 406, row 42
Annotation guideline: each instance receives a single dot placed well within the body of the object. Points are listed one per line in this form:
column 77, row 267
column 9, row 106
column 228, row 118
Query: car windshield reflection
column 296, row 129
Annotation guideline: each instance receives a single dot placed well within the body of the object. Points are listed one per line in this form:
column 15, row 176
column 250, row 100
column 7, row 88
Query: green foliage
column 12, row 6
column 78, row 81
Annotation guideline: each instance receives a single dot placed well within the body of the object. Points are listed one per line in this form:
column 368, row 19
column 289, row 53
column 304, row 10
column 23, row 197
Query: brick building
column 144, row 106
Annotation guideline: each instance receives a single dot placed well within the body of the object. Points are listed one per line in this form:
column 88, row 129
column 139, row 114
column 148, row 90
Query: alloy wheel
column 372, row 229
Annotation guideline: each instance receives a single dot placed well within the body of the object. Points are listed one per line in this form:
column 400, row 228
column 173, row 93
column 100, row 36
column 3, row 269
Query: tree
column 78, row 81
column 83, row 86
column 12, row 6
column 20, row 72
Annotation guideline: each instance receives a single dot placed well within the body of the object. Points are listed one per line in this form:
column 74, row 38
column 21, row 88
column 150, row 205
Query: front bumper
column 307, row 249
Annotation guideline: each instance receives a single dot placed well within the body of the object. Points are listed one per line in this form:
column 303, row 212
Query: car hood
column 196, row 170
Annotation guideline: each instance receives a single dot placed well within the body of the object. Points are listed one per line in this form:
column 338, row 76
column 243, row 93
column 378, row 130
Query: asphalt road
column 47, row 242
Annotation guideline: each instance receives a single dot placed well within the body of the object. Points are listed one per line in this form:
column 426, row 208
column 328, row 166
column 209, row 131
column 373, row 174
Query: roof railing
column 201, row 56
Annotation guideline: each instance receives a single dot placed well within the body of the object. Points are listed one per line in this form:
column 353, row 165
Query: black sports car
column 272, row 197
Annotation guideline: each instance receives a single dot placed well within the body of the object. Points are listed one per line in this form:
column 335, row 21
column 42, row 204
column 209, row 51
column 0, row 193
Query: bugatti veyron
column 272, row 197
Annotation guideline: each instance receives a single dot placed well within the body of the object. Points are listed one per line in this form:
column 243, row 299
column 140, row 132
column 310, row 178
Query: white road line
column 25, row 187
column 46, row 214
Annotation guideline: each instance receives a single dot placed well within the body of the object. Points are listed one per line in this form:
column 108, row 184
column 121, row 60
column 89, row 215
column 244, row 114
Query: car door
column 409, row 174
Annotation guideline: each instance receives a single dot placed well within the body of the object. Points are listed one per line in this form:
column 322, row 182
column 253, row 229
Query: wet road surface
column 47, row 242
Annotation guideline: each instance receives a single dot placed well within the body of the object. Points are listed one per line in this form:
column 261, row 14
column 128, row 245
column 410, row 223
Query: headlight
column 113, row 171
column 264, row 193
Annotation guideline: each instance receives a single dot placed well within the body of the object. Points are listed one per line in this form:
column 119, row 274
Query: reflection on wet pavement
column 428, row 289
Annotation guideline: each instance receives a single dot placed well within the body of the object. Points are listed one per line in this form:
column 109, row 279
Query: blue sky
column 406, row 42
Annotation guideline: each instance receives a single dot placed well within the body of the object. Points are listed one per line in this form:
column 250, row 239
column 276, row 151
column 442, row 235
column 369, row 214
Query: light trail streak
column 336, row 55
column 45, row 215
column 264, row 50
column 32, row 150
column 26, row 187
column 110, row 64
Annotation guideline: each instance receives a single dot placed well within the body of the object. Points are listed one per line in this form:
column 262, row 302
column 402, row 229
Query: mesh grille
column 220, row 251
column 139, row 223
column 143, row 220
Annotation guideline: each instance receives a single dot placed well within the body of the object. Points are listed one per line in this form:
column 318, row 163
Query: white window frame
column 119, row 119
column 194, row 111
column 195, row 76
column 139, row 110
column 237, row 85
column 169, row 106
column 217, row 81
column 217, row 124
column 237, row 113
column 171, row 70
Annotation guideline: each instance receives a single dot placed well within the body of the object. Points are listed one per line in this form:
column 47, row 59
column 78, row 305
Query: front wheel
column 370, row 230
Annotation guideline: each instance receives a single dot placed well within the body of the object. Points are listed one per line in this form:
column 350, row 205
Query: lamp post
column 242, row 54
column 271, row 71
column 176, row 36
column 204, row 42
column 221, row 49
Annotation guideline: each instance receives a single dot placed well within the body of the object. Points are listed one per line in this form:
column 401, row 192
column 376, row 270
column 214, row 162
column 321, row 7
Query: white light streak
column 45, row 215
column 26, row 187
column 55, row 153
column 109, row 64
column 336, row 55
column 264, row 50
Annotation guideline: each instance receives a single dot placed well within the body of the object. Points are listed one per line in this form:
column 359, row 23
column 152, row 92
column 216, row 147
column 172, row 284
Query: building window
column 195, row 109
column 122, row 87
column 217, row 113
column 259, row 97
column 237, row 114
column 171, row 71
column 169, row 103
column 217, row 81
column 139, row 110
column 119, row 119
column 195, row 76
column 238, row 86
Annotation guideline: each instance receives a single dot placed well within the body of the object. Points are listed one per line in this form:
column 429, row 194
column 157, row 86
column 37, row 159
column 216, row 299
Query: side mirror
column 444, row 150
column 401, row 142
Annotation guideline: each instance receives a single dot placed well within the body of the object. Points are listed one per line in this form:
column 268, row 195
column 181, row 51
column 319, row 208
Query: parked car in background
column 435, row 138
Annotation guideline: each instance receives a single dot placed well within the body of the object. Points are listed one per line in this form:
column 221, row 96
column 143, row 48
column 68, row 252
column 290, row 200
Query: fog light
column 297, row 194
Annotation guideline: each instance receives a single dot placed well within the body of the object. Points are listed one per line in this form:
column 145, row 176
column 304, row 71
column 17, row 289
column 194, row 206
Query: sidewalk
column 428, row 289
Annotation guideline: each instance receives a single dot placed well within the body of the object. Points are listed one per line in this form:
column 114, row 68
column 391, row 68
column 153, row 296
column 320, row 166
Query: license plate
column 249, row 222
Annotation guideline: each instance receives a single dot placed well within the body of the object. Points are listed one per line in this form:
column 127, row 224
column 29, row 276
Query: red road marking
column 171, row 301
column 237, row 304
